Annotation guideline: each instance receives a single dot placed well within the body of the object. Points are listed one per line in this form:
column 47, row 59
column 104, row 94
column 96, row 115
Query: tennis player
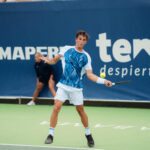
column 45, row 76
column 76, row 62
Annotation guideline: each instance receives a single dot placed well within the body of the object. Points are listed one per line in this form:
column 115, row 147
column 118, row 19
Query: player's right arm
column 51, row 61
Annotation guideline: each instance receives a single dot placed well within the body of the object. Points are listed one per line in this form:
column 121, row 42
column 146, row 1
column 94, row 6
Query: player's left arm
column 51, row 61
column 95, row 78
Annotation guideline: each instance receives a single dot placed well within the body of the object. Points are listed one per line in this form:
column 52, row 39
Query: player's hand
column 46, row 59
column 43, row 58
column 108, row 83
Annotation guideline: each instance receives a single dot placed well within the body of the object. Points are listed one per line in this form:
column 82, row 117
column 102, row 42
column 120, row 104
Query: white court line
column 38, row 146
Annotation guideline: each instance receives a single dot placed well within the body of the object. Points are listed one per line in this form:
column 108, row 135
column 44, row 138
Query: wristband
column 100, row 80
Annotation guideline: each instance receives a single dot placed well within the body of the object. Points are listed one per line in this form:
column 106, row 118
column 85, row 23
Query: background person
column 45, row 75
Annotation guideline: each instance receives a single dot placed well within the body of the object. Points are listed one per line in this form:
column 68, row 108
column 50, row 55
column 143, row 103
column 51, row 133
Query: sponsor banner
column 119, row 44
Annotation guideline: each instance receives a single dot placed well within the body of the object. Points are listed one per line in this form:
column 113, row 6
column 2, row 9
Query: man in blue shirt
column 76, row 62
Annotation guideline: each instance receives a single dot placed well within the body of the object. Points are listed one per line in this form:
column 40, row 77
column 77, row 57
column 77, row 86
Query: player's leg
column 54, row 115
column 83, row 115
column 84, row 119
column 53, row 121
column 51, row 84
column 77, row 99
column 39, row 86
column 60, row 98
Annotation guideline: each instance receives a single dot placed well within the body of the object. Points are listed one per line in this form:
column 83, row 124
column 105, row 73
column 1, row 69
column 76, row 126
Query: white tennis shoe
column 31, row 103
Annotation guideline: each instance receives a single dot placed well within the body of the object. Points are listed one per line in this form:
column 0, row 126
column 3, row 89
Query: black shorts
column 44, row 79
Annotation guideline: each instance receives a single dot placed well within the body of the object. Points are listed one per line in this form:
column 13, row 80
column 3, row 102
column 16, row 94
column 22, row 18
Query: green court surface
column 26, row 127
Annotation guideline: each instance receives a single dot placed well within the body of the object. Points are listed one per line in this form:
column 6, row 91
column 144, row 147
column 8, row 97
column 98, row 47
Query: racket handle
column 112, row 84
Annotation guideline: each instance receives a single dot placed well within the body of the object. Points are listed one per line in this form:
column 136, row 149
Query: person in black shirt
column 44, row 73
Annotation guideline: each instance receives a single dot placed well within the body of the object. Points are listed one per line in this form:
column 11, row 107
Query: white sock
column 51, row 131
column 87, row 131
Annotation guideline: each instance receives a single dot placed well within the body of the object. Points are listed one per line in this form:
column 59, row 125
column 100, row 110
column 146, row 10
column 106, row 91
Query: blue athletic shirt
column 74, row 64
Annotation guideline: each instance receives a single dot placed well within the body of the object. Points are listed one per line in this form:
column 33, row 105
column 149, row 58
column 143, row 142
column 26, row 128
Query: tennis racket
column 122, row 82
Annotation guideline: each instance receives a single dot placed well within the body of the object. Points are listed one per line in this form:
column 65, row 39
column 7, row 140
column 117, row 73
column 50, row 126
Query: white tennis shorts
column 75, row 97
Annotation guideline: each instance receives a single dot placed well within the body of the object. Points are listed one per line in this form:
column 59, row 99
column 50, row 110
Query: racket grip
column 112, row 84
